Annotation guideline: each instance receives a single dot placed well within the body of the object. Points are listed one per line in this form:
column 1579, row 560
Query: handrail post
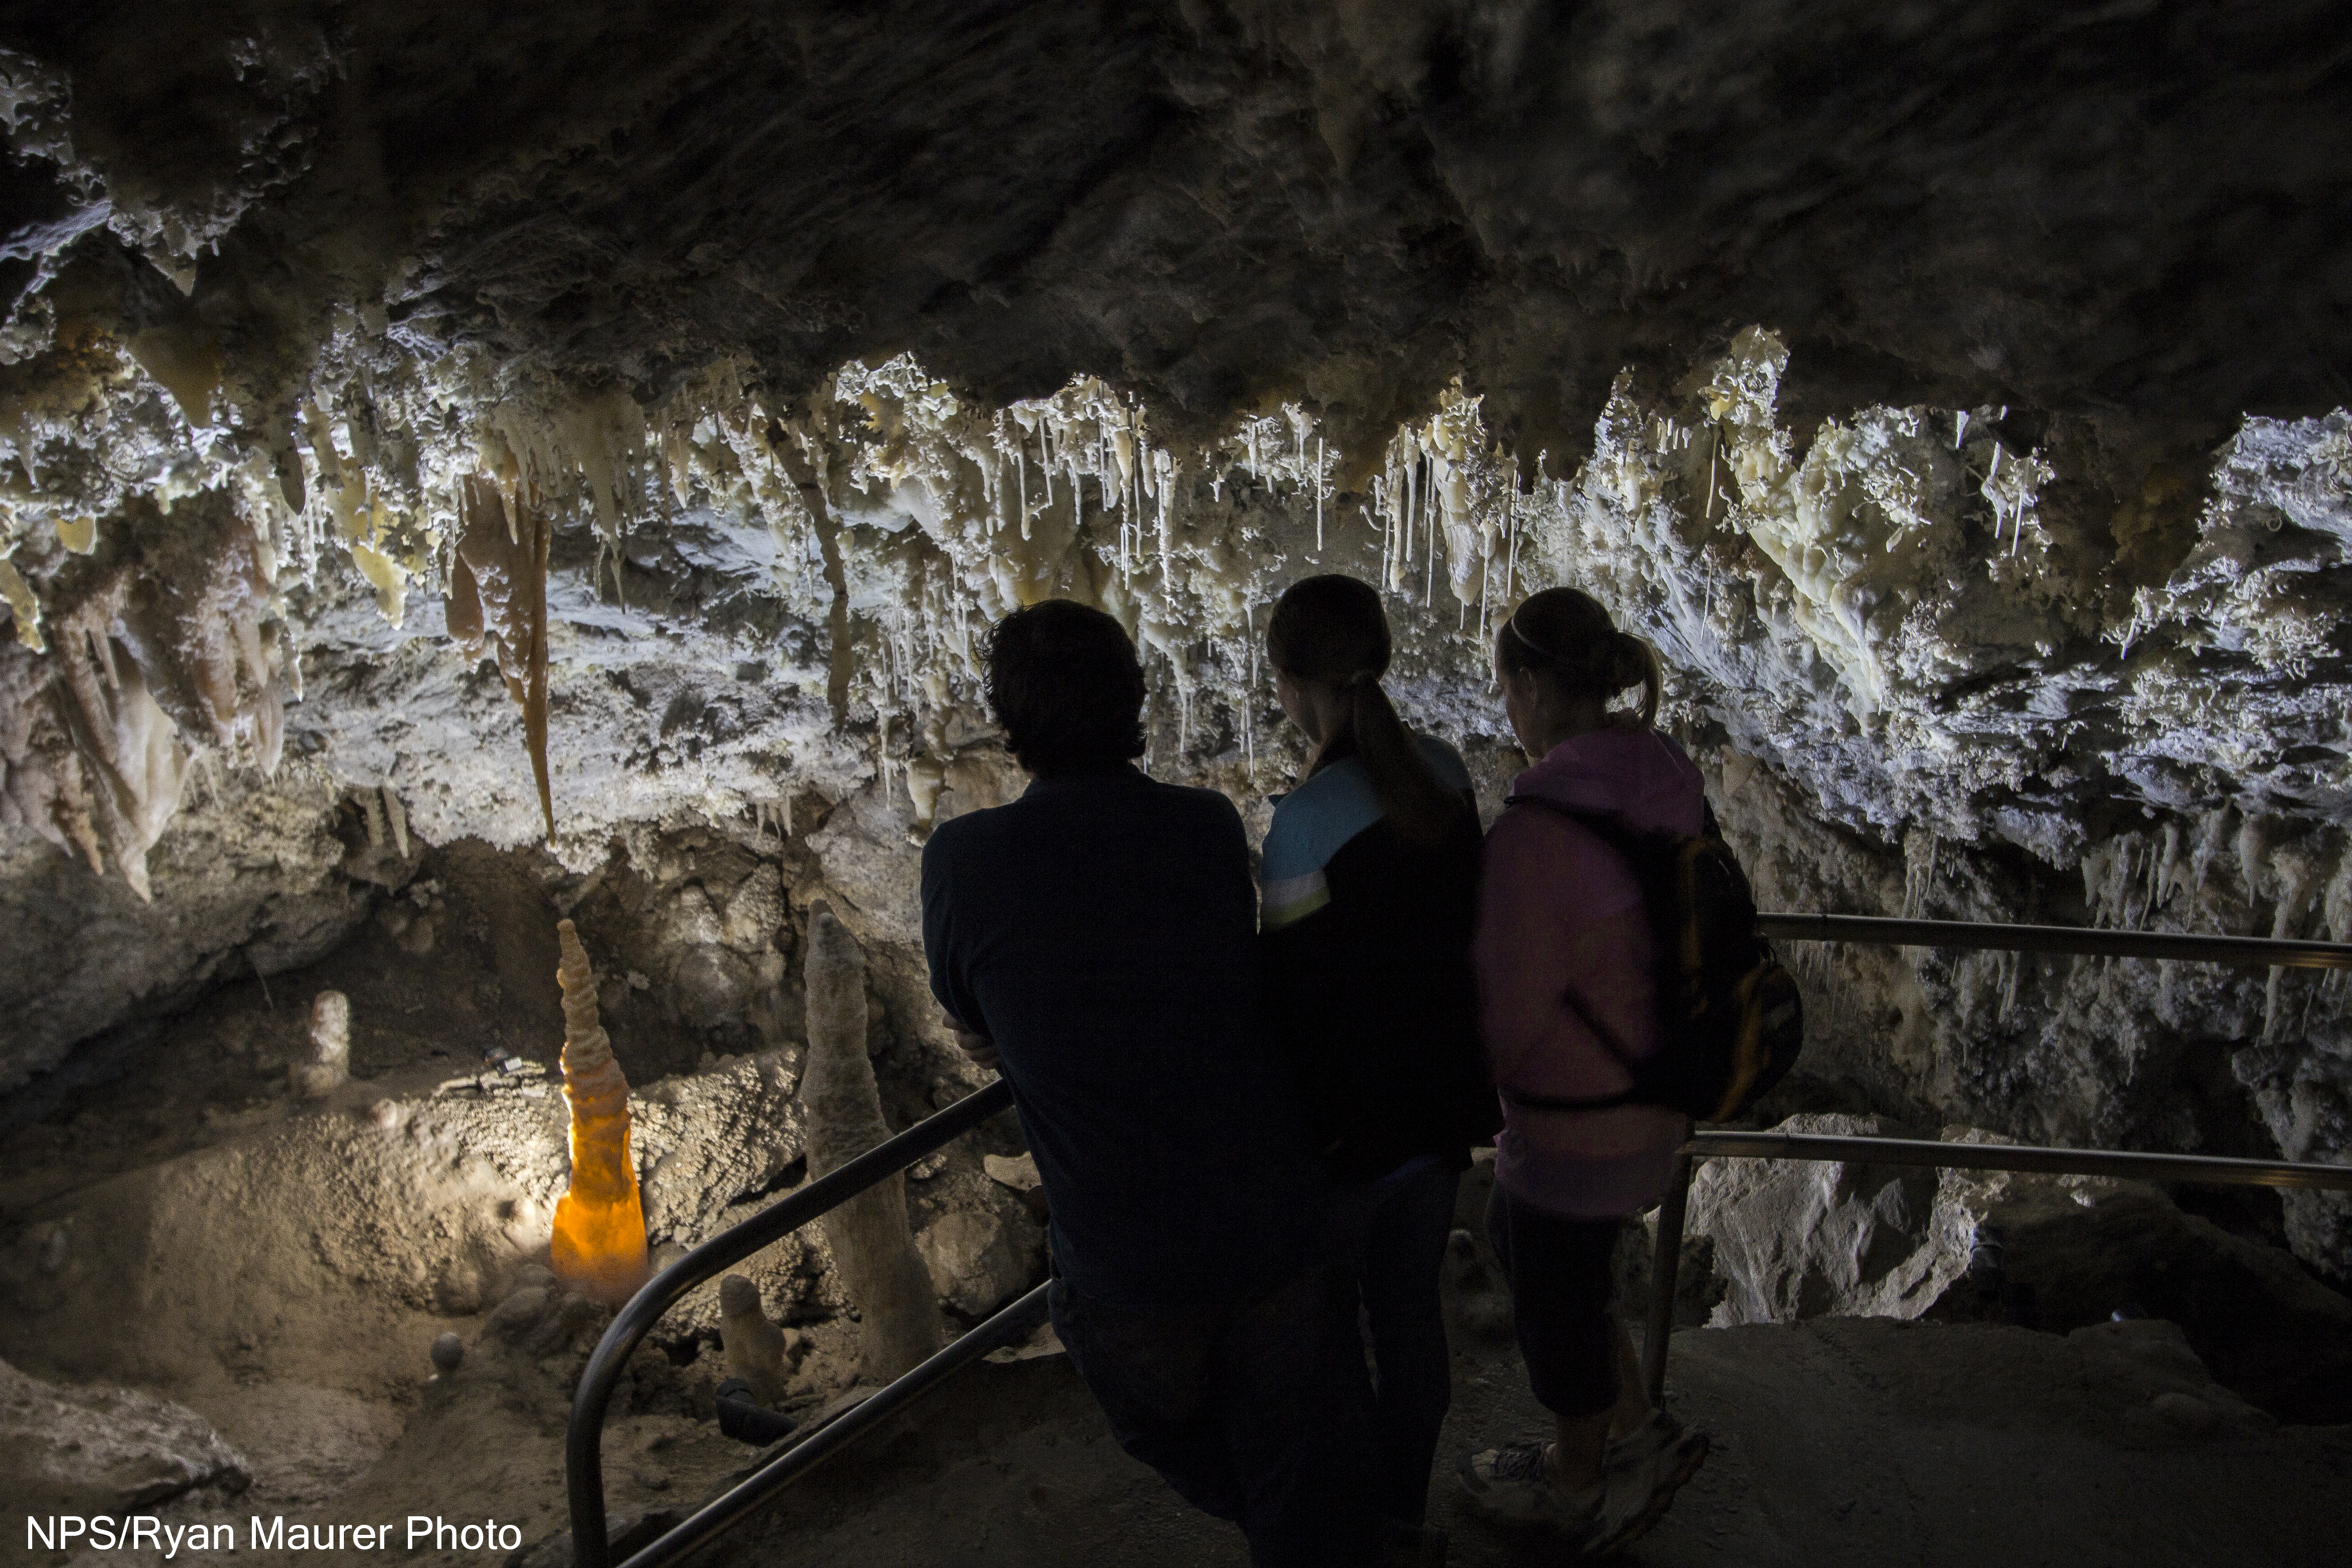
column 1665, row 1266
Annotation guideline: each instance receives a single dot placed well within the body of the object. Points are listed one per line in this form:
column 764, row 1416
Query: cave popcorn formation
column 685, row 391
column 1070, row 495
column 1911, row 614
column 598, row 1247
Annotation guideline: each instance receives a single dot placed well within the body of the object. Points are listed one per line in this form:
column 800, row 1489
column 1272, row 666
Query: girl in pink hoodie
column 1563, row 942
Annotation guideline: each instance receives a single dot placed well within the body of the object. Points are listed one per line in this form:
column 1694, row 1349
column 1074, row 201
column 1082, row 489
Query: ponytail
column 1331, row 630
column 1567, row 638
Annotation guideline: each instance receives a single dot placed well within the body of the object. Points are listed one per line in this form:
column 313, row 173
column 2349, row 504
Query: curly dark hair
column 1064, row 682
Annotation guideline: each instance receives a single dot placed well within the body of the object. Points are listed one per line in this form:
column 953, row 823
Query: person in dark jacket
column 1370, row 881
column 1094, row 941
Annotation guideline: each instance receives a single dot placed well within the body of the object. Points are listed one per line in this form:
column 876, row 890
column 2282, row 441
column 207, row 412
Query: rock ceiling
column 2129, row 208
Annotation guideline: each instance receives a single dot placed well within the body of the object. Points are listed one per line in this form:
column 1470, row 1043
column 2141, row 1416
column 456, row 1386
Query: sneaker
column 1643, row 1471
column 1660, row 1432
column 1515, row 1485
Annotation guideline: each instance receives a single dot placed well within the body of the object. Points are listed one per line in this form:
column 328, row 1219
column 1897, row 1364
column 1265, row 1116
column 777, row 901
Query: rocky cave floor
column 203, row 1235
column 1840, row 1441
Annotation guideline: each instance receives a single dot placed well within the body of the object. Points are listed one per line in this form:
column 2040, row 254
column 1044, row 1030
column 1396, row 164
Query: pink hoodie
column 1559, row 910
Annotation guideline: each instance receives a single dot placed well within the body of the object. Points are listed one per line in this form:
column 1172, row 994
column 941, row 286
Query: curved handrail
column 2254, row 950
column 583, row 1437
column 583, row 1460
column 727, row 1510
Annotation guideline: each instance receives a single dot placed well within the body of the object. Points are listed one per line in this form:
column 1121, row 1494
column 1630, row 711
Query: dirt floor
column 1839, row 1442
column 1842, row 1441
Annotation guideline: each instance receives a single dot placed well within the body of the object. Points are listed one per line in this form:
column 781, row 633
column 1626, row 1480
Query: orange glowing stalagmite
column 599, row 1246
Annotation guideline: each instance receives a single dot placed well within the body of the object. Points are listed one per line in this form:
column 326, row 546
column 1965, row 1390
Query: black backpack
column 1729, row 1021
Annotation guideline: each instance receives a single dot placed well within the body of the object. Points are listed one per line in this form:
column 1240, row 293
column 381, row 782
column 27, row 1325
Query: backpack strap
column 1609, row 827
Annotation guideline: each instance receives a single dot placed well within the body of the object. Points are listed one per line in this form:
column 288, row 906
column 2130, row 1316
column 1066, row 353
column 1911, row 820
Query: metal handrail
column 583, row 1460
column 2250, row 950
column 2126, row 1165
column 727, row 1510
column 1712, row 1144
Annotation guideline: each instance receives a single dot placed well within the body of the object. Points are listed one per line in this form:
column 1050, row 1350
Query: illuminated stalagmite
column 872, row 1247
column 599, row 1246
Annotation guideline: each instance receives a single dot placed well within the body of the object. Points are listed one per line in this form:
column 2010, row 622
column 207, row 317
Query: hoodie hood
column 1637, row 774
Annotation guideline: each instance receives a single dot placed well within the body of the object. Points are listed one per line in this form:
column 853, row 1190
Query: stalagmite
column 599, row 1244
column 329, row 1064
column 880, row 1271
column 755, row 1347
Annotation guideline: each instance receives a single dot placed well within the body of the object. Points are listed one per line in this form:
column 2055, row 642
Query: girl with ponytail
column 1370, row 876
column 1565, row 964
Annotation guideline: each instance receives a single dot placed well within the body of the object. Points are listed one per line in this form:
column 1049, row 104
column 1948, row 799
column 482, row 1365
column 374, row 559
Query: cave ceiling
column 2131, row 209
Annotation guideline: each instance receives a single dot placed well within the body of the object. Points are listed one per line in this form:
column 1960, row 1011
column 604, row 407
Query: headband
column 1594, row 666
column 1512, row 625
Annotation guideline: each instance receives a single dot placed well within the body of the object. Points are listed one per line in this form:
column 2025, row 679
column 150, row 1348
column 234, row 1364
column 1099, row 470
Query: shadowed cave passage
column 409, row 418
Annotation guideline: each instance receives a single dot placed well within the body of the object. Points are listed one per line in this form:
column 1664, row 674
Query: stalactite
column 164, row 641
column 498, row 602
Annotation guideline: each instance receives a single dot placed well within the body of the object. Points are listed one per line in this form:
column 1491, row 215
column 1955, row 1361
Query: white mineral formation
column 104, row 1450
column 329, row 1065
column 755, row 1347
column 872, row 1246
column 1939, row 661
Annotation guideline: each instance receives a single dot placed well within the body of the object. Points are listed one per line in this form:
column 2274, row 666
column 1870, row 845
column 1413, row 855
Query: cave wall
column 1945, row 399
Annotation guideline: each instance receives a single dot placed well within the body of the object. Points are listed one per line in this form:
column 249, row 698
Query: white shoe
column 1516, row 1485
column 1641, row 1472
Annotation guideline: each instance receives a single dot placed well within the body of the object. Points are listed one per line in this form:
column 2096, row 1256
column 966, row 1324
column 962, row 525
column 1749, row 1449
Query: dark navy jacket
column 1100, row 930
column 1370, row 993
